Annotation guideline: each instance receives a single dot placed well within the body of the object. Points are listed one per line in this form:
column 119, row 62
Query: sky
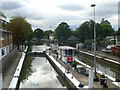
column 48, row 14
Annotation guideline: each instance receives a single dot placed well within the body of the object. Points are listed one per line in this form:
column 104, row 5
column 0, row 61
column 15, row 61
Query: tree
column 21, row 29
column 63, row 31
column 85, row 31
column 4, row 23
column 74, row 33
column 47, row 34
column 74, row 64
column 38, row 33
column 31, row 35
column 106, row 28
column 118, row 32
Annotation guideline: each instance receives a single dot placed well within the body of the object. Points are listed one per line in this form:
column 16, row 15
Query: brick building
column 6, row 43
column 6, row 39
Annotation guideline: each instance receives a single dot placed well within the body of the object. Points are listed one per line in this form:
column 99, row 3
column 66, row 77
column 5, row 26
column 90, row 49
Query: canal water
column 38, row 73
column 103, row 66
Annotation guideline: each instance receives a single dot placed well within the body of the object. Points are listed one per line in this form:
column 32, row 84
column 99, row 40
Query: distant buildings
column 116, row 47
column 73, row 38
column 112, row 38
column 118, row 41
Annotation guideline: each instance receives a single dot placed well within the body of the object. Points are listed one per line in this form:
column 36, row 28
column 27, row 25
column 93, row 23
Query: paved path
column 10, row 72
column 82, row 78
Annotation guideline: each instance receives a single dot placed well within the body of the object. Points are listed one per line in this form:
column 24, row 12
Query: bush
column 102, row 76
column 74, row 64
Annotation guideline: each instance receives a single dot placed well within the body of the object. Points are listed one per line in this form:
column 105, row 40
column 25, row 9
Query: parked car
column 107, row 49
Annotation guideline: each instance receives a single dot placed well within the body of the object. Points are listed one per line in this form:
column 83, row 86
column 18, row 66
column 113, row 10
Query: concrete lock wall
column 7, row 60
column 102, row 60
column 67, row 82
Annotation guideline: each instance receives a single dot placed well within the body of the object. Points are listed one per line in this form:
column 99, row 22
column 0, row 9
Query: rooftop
column 2, row 14
column 66, row 47
column 5, row 31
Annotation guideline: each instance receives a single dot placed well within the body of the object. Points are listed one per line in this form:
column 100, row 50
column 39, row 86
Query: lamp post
column 95, row 75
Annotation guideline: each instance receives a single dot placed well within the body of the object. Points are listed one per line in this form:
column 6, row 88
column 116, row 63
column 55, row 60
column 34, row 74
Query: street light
column 95, row 75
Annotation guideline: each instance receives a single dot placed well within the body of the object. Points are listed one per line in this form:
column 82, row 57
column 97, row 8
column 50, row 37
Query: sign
column 70, row 59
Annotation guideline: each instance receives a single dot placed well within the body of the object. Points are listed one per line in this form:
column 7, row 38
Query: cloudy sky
column 45, row 13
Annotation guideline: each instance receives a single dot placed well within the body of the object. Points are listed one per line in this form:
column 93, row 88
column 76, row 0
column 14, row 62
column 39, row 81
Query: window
column 70, row 52
column 65, row 52
column 3, row 52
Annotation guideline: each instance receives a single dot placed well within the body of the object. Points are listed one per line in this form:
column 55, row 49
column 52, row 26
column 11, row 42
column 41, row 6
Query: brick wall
column 7, row 39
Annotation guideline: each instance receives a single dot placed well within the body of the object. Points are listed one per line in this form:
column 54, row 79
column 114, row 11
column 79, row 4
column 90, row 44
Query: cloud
column 70, row 7
column 105, row 10
column 25, row 12
column 32, row 14
column 15, row 1
column 11, row 5
column 47, row 13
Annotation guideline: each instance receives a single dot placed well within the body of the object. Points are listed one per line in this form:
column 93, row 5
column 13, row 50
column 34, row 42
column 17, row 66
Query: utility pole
column 94, row 66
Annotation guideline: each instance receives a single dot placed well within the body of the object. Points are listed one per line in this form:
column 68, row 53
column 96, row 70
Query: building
column 73, row 38
column 110, row 38
column 6, row 39
column 116, row 48
column 118, row 41
column 7, row 52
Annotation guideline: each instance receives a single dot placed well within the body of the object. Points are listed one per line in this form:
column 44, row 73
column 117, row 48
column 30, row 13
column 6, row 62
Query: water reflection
column 27, row 71
column 38, row 74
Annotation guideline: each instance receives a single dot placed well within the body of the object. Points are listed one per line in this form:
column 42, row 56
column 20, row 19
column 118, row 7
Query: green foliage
column 47, row 34
column 102, row 76
column 21, row 29
column 62, row 32
column 118, row 32
column 85, row 31
column 88, row 42
column 74, row 64
column 38, row 33
column 31, row 34
column 4, row 26
column 106, row 28
column 74, row 33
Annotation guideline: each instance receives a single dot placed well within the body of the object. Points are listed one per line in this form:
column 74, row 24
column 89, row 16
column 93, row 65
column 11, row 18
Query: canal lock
column 27, row 71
